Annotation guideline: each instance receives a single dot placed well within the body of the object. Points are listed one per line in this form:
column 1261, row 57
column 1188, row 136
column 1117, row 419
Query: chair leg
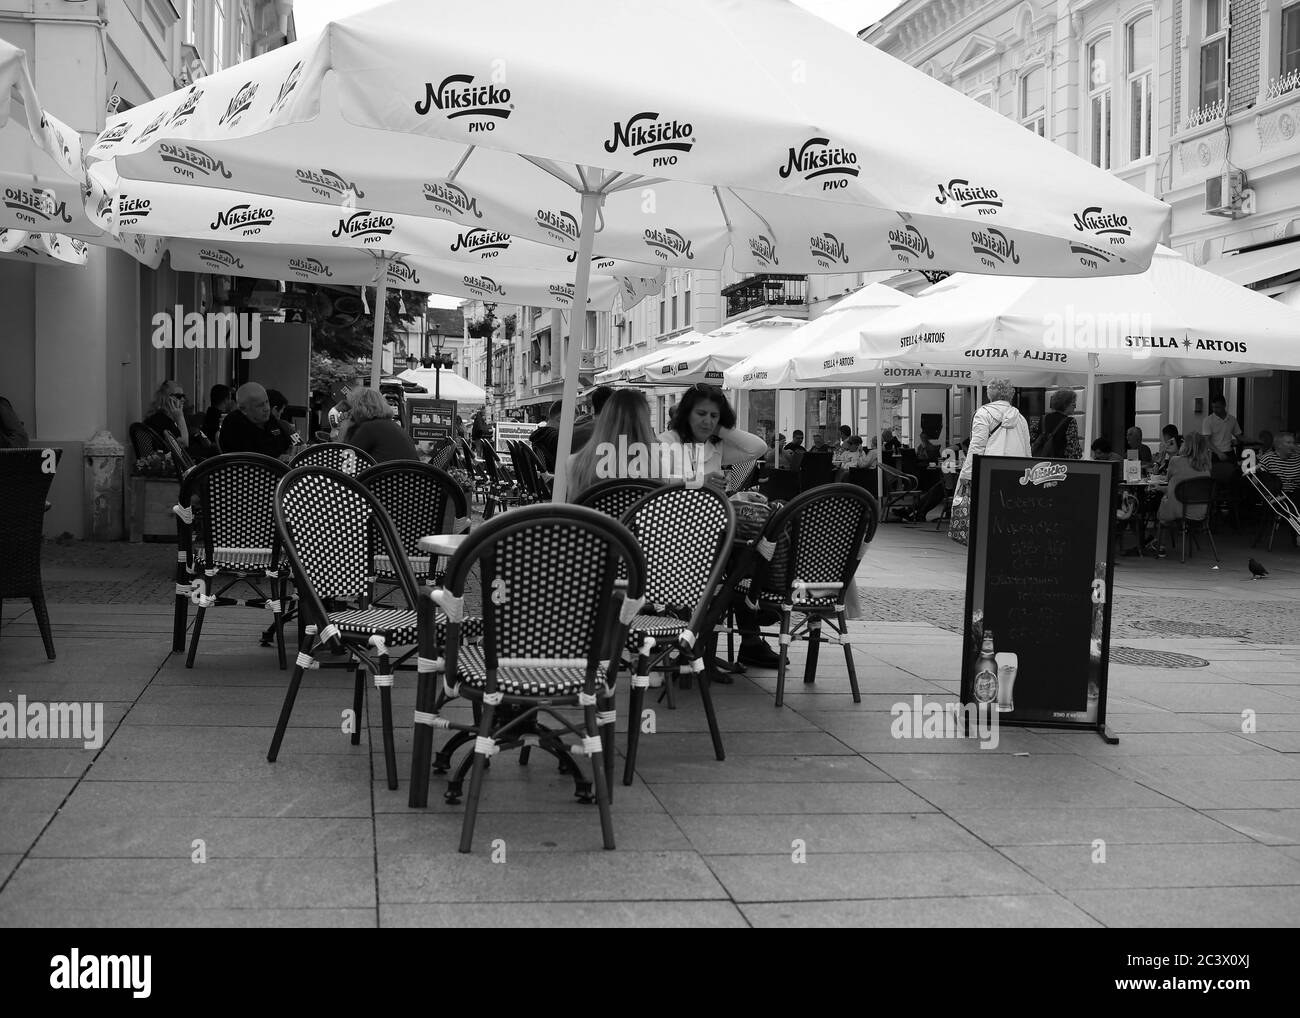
column 1210, row 534
column 814, row 641
column 480, row 759
column 43, row 621
column 358, row 703
column 304, row 652
column 180, row 618
column 784, row 655
column 848, row 656
column 426, row 697
column 607, row 723
column 194, row 637
column 640, row 682
column 706, row 697
column 384, row 679
column 279, row 590
column 599, row 777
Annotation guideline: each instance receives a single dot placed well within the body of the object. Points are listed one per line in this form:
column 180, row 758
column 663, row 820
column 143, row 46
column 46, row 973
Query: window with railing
column 765, row 290
column 1139, row 59
column 1291, row 40
column 1099, row 102
column 1214, row 49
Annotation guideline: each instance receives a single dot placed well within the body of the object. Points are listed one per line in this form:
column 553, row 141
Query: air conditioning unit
column 1223, row 194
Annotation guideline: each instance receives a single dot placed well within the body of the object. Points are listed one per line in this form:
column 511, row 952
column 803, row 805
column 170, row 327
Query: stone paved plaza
column 1200, row 822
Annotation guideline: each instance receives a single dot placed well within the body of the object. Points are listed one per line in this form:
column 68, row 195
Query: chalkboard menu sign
column 430, row 419
column 1038, row 582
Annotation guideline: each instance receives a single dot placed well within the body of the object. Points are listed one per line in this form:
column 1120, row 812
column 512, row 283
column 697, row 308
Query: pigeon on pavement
column 1258, row 572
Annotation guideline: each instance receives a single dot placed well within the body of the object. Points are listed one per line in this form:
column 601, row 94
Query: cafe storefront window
column 822, row 416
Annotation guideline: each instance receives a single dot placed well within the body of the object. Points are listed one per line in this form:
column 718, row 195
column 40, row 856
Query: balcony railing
column 1206, row 114
column 765, row 290
column 1289, row 82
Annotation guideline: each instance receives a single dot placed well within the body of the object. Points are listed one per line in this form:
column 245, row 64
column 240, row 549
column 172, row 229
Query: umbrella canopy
column 450, row 386
column 42, row 248
column 352, row 267
column 695, row 140
column 1172, row 321
column 634, row 369
column 828, row 343
column 40, row 159
column 706, row 360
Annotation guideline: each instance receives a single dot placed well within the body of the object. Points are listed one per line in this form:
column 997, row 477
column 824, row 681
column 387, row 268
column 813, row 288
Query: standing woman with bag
column 1058, row 435
column 998, row 429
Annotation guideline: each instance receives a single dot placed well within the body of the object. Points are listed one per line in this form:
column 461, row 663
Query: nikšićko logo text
column 467, row 100
column 645, row 132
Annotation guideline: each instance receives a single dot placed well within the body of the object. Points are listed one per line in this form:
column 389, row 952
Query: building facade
column 1196, row 102
column 76, row 343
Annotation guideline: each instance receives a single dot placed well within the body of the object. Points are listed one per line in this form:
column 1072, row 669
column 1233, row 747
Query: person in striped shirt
column 1283, row 462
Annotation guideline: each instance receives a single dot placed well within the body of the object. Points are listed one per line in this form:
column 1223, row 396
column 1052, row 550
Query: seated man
column 221, row 401
column 792, row 455
column 250, row 429
column 1101, row 450
column 545, row 439
column 1283, row 462
column 1133, row 441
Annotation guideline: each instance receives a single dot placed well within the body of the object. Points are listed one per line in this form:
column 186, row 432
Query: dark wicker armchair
column 25, row 478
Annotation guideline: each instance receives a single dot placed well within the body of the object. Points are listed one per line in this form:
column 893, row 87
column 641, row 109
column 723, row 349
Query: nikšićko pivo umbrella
column 681, row 127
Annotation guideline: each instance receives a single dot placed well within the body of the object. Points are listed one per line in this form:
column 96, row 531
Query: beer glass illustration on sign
column 1008, row 663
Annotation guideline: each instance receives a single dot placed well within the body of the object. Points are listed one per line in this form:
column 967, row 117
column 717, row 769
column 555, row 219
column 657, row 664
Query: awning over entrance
column 1250, row 267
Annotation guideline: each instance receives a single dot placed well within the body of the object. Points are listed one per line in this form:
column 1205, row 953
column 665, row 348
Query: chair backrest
column 332, row 526
column 817, row 468
column 346, row 459
column 1194, row 491
column 444, row 455
column 740, row 475
column 829, row 529
column 25, row 478
column 686, row 536
column 528, row 469
column 548, row 580
column 184, row 461
column 232, row 499
column 615, row 496
column 145, row 441
column 420, row 500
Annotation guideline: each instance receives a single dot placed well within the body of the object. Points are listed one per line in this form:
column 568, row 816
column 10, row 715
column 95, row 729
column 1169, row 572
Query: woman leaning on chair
column 371, row 428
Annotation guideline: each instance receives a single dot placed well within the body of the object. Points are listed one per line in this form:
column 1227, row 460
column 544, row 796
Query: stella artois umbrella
column 1172, row 321
column 679, row 127
column 634, row 370
column 41, row 170
column 706, row 360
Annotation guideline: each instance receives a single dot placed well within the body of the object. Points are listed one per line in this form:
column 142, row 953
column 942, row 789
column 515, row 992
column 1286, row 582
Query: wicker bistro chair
column 145, row 441
column 502, row 490
column 333, row 528
column 615, row 496
column 686, row 535
column 829, row 529
column 554, row 617
column 347, row 459
column 420, row 500
column 901, row 492
column 444, row 456
column 183, row 460
column 1195, row 491
column 1278, row 507
column 226, row 544
column 25, row 479
column 741, row 476
column 528, row 470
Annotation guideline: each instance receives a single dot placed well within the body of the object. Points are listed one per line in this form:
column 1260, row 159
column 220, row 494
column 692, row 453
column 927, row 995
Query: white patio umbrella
column 706, row 360
column 42, row 249
column 634, row 370
column 1171, row 321
column 752, row 124
column 41, row 172
column 449, row 384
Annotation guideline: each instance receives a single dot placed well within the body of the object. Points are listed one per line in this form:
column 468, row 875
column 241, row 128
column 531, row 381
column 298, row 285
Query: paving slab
column 787, row 797
column 1194, row 908
column 182, row 917
column 773, row 834
column 434, row 833
column 1081, row 825
column 1149, row 866
column 80, row 836
column 1037, row 911
column 568, row 915
column 1269, row 826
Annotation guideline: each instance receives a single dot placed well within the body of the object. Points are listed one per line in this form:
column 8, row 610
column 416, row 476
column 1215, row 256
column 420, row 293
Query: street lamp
column 439, row 360
column 412, row 362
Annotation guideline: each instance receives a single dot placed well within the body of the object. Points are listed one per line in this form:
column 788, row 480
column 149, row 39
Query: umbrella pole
column 591, row 201
column 1090, row 406
column 880, row 452
column 377, row 347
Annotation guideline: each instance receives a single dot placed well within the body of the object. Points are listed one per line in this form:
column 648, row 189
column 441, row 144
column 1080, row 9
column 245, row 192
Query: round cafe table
column 442, row 544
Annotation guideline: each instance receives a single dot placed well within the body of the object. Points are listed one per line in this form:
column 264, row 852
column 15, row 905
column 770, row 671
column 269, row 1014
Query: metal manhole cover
column 1154, row 658
column 1177, row 628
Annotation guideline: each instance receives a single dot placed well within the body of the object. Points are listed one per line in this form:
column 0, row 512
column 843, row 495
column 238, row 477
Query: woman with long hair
column 1193, row 461
column 625, row 416
column 703, row 434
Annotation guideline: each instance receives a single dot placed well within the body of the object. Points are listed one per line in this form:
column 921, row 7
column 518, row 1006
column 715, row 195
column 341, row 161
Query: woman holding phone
column 167, row 412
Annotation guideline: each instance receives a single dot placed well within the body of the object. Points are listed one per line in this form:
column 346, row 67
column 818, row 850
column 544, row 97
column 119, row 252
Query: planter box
column 151, row 517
